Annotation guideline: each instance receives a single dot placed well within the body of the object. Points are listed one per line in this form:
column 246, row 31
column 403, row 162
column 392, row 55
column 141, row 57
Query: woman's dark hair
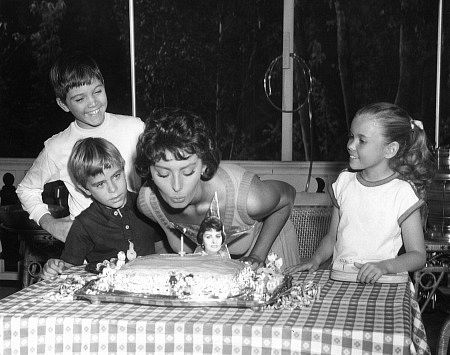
column 179, row 132
column 208, row 223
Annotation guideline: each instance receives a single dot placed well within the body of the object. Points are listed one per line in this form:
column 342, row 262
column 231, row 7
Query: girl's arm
column 414, row 258
column 269, row 201
column 326, row 246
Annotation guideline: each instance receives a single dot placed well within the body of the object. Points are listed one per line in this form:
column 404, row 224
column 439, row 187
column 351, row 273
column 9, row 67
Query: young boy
column 112, row 222
column 79, row 88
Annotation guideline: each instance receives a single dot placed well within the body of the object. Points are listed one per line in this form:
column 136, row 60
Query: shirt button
column 115, row 213
column 127, row 227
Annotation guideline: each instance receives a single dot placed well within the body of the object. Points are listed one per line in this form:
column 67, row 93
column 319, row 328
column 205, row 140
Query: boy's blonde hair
column 73, row 70
column 90, row 157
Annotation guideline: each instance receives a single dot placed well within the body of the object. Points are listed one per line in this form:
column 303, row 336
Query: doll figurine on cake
column 211, row 237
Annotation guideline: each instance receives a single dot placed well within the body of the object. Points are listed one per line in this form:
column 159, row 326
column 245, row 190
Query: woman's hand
column 253, row 261
column 52, row 268
column 369, row 273
column 310, row 265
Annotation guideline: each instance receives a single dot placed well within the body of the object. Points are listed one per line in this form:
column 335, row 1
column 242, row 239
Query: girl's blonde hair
column 413, row 161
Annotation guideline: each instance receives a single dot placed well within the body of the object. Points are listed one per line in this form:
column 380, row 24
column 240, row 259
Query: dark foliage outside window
column 211, row 56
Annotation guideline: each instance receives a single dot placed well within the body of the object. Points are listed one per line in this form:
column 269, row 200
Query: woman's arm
column 413, row 259
column 269, row 201
column 326, row 246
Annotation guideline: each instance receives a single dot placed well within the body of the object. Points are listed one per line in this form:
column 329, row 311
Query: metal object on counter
column 438, row 198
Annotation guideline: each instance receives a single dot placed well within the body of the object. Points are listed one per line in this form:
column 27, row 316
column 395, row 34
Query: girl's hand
column 369, row 273
column 309, row 265
column 52, row 268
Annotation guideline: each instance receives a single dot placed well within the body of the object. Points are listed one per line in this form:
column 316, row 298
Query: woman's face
column 212, row 240
column 178, row 181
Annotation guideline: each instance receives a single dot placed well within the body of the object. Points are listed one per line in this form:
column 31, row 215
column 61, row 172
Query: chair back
column 311, row 224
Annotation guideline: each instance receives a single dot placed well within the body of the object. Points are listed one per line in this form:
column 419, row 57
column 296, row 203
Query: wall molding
column 295, row 173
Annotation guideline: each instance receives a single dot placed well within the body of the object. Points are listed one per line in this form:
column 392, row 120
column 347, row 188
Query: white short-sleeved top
column 371, row 214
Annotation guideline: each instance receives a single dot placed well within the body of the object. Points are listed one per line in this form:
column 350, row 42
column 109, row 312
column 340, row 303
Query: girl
column 180, row 165
column 377, row 205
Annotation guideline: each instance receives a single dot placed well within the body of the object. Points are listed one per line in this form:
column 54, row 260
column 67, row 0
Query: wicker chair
column 311, row 224
column 444, row 338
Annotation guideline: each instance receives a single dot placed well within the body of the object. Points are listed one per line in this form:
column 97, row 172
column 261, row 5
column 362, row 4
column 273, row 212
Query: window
column 211, row 57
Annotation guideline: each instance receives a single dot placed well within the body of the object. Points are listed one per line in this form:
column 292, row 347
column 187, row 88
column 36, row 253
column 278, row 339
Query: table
column 347, row 318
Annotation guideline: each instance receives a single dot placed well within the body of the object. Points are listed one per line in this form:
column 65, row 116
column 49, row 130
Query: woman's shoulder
column 147, row 202
column 236, row 173
column 232, row 168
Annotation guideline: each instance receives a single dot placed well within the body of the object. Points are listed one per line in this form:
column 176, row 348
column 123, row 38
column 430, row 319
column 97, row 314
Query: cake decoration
column 131, row 253
column 191, row 232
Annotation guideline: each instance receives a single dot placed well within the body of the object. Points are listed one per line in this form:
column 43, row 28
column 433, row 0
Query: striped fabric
column 348, row 318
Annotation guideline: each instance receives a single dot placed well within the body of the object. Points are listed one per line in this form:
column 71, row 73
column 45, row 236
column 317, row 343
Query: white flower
column 279, row 263
column 272, row 257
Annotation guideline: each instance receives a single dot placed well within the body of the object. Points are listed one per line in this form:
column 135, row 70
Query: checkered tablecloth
column 348, row 318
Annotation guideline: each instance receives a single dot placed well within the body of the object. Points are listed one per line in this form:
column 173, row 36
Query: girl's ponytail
column 417, row 163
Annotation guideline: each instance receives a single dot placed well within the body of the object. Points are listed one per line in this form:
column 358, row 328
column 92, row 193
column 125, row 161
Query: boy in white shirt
column 79, row 88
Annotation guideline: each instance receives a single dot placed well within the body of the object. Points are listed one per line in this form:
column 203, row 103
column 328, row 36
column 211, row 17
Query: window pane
column 212, row 57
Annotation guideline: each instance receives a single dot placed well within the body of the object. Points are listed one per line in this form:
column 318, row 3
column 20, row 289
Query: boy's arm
column 30, row 190
column 31, row 187
column 57, row 227
column 270, row 201
column 79, row 242
column 54, row 267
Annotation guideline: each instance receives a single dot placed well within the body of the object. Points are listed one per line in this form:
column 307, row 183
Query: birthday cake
column 191, row 275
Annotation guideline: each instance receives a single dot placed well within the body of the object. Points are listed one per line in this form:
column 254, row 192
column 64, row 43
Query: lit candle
column 182, row 242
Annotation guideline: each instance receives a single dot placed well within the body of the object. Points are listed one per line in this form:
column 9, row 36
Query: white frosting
column 192, row 275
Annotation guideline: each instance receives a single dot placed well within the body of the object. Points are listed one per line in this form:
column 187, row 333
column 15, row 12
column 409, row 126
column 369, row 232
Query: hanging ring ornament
column 304, row 82
column 305, row 76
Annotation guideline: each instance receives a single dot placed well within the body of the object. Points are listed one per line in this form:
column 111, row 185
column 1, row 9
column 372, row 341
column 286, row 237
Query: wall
column 295, row 173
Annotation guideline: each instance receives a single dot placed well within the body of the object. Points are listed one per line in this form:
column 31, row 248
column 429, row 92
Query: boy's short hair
column 90, row 156
column 73, row 70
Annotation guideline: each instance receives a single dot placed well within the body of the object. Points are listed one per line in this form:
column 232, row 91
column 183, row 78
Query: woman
column 179, row 162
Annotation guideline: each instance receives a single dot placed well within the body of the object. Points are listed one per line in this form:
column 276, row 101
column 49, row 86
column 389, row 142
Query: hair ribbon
column 417, row 123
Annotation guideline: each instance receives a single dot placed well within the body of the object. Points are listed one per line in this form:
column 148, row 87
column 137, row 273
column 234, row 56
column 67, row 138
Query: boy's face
column 108, row 188
column 87, row 103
